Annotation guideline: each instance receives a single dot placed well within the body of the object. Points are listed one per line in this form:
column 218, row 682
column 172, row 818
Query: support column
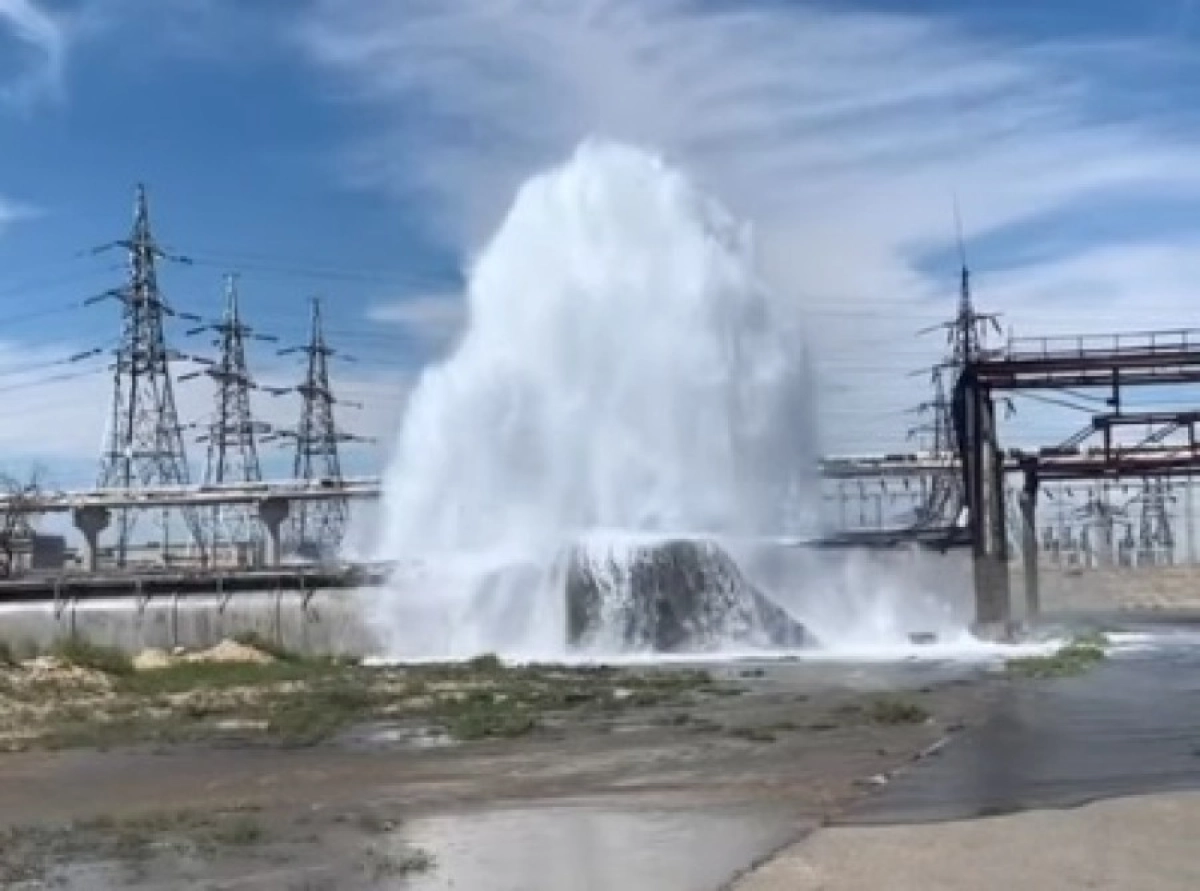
column 91, row 521
column 1029, row 543
column 272, row 512
column 983, row 470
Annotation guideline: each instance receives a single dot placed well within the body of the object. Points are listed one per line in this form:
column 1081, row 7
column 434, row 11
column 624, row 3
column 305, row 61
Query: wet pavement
column 593, row 847
column 1129, row 726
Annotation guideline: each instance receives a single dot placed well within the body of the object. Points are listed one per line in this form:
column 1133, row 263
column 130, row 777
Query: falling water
column 624, row 375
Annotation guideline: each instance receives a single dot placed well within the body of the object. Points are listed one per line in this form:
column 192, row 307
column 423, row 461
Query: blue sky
column 364, row 151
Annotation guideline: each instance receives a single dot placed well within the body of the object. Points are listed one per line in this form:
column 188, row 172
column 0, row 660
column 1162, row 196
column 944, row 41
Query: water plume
column 624, row 373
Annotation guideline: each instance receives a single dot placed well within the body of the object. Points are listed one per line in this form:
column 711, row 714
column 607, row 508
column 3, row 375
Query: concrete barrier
column 312, row 622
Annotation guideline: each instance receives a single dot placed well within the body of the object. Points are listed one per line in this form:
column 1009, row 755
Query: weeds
column 1073, row 659
column 310, row 717
column 896, row 711
column 489, row 722
column 82, row 653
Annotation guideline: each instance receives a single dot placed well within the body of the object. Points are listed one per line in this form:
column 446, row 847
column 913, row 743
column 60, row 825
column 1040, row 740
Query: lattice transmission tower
column 144, row 442
column 966, row 336
column 232, row 433
column 315, row 528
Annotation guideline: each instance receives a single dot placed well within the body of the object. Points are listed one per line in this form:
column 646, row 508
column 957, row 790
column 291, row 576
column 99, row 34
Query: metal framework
column 144, row 444
column 195, row 497
column 315, row 530
column 231, row 434
column 1113, row 362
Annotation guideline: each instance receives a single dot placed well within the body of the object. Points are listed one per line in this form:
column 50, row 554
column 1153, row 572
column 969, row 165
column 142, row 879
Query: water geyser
column 624, row 377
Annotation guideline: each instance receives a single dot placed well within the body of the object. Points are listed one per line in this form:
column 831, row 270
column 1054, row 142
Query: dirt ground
column 191, row 796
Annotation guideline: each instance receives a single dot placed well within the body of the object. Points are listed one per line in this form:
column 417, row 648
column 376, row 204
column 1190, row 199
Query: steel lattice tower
column 144, row 445
column 232, row 432
column 965, row 337
column 315, row 528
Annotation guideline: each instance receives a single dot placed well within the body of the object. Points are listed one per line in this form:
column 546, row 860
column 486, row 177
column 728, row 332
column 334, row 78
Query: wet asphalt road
column 1130, row 726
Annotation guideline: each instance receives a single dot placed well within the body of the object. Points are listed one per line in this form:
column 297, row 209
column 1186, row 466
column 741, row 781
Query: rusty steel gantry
column 1112, row 362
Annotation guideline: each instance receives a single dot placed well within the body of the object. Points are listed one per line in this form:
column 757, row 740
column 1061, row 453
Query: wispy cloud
column 37, row 41
column 433, row 319
column 841, row 133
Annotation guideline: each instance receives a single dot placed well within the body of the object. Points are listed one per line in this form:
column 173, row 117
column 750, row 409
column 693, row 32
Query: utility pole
column 144, row 443
column 315, row 528
column 232, row 432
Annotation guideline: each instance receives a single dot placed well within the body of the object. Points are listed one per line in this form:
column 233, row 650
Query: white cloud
column 26, row 24
column 843, row 134
column 434, row 319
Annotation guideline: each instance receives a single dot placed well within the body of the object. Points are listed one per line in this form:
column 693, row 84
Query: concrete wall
column 1114, row 589
column 321, row 622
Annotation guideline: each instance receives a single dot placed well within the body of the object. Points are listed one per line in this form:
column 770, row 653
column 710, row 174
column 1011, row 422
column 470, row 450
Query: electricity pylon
column 232, row 432
column 144, row 442
column 315, row 528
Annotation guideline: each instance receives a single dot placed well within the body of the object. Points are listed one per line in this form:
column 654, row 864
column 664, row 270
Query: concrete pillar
column 272, row 512
column 91, row 521
column 1029, row 544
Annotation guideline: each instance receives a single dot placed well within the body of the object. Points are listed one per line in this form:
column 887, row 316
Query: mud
column 661, row 796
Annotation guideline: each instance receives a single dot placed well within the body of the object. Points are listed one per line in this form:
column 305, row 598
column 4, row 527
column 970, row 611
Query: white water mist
column 624, row 374
column 623, row 370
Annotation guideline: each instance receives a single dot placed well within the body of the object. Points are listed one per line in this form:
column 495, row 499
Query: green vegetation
column 242, row 830
column 314, row 715
column 31, row 854
column 82, row 653
column 300, row 700
column 887, row 710
column 1077, row 657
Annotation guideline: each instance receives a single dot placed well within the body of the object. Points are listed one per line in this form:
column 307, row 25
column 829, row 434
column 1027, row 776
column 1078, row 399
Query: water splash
column 623, row 368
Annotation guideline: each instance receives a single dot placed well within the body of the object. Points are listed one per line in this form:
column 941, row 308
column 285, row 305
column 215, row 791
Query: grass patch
column 241, row 831
column 310, row 717
column 489, row 722
column 82, row 653
column 303, row 701
column 182, row 677
column 1073, row 659
column 896, row 711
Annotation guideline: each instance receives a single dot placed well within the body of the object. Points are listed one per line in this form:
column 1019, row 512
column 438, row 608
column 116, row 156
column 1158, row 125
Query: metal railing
column 1081, row 346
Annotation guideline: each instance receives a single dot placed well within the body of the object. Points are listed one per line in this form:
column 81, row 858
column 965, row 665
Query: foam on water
column 624, row 375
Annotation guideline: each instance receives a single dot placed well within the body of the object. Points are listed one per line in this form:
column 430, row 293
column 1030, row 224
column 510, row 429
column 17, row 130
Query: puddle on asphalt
column 1130, row 726
column 556, row 848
